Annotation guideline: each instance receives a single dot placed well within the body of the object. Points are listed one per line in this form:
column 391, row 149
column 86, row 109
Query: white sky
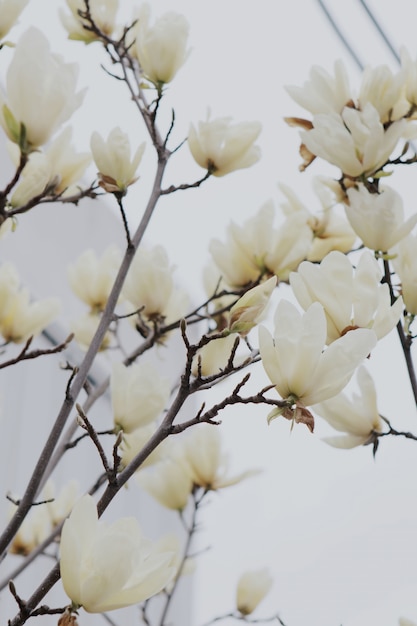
column 337, row 529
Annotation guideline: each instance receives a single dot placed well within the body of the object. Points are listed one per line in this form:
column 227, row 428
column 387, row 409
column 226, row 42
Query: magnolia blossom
column 330, row 230
column 91, row 278
column 214, row 284
column 378, row 218
column 19, row 317
column 252, row 587
column 67, row 165
column 213, row 358
column 133, row 442
column 355, row 141
column 357, row 417
column 139, row 395
column 40, row 92
column 384, row 90
column 56, row 170
column 206, row 462
column 405, row 265
column 409, row 77
column 350, row 299
column 117, row 169
column 59, row 506
column 161, row 49
column 109, row 566
column 103, row 13
column 241, row 259
column 291, row 243
column 35, row 180
column 295, row 362
column 222, row 147
column 149, row 284
column 34, row 529
column 10, row 11
column 169, row 482
column 249, row 309
column 323, row 93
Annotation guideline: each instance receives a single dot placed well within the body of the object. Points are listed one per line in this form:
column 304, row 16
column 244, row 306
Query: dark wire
column 340, row 35
column 380, row 31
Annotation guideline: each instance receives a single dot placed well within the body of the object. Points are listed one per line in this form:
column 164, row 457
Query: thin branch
column 405, row 340
column 24, row 354
column 174, row 188
column 94, row 438
column 119, row 199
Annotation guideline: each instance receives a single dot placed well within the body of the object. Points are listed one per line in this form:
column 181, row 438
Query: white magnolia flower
column 109, row 566
column 149, row 283
column 323, row 93
column 139, row 395
column 10, row 11
column 330, row 230
column 34, row 529
column 291, row 243
column 409, row 77
column 252, row 587
column 40, row 92
column 169, row 482
column 378, row 218
column 297, row 364
column 133, row 442
column 208, row 464
column 213, row 358
column 350, row 299
column 67, row 165
column 59, row 506
column 54, row 171
column 357, row 417
column 250, row 308
column 405, row 265
column 21, row 318
column 161, row 49
column 222, row 147
column 384, row 90
column 103, row 13
column 241, row 259
column 35, row 180
column 355, row 141
column 91, row 278
column 117, row 168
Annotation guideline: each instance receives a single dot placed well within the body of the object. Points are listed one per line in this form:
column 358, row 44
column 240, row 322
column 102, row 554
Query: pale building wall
column 47, row 239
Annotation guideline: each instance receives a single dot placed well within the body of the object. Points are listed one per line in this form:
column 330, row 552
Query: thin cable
column 340, row 35
column 380, row 31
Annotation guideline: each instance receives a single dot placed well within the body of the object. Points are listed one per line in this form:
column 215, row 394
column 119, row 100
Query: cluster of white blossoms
column 349, row 302
column 139, row 395
column 109, row 566
column 194, row 460
column 20, row 317
column 357, row 133
column 150, row 288
column 91, row 278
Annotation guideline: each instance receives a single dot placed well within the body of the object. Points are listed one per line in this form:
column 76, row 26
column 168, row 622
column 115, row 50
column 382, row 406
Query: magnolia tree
column 352, row 270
